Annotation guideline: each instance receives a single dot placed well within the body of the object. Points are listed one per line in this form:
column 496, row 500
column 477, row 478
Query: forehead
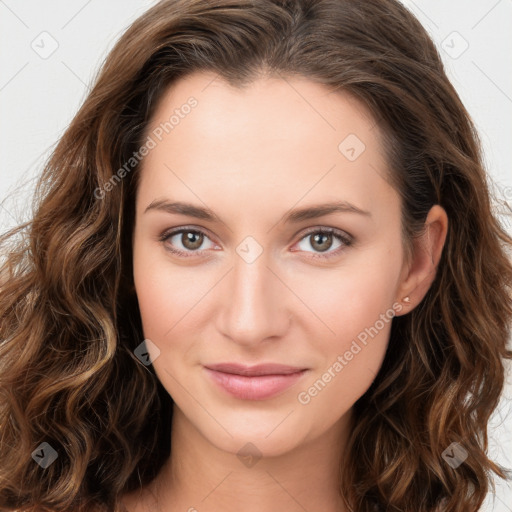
column 283, row 138
column 272, row 108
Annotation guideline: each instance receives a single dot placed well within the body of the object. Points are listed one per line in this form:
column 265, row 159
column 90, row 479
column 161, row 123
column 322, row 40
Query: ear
column 419, row 272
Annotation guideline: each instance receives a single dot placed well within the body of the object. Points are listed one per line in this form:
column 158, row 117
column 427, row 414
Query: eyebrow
column 294, row 216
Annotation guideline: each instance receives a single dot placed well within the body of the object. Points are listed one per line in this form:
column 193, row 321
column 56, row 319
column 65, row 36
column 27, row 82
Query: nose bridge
column 253, row 308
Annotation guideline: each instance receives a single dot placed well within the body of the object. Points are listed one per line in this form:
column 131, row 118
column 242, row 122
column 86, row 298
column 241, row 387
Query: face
column 257, row 269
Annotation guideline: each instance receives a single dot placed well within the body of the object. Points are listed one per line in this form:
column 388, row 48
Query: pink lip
column 258, row 369
column 254, row 382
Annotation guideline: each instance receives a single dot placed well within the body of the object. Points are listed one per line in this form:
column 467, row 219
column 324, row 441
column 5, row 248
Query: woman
column 264, row 274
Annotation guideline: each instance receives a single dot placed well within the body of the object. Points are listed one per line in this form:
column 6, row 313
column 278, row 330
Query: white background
column 39, row 97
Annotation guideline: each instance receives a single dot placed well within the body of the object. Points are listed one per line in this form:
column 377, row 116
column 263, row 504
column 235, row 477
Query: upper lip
column 259, row 369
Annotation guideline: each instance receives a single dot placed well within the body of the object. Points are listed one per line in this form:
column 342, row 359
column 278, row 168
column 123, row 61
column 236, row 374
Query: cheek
column 349, row 372
column 167, row 303
column 348, row 299
column 357, row 313
column 157, row 298
column 360, row 318
column 165, row 291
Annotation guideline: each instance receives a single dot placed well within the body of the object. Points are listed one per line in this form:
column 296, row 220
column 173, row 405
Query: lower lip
column 254, row 388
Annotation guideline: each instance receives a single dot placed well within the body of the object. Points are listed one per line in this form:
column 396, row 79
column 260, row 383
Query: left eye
column 321, row 240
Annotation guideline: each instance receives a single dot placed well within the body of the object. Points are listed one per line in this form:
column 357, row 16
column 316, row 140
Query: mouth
column 254, row 383
column 255, row 370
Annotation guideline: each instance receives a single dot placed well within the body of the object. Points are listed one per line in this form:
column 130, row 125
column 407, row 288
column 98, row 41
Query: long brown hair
column 70, row 320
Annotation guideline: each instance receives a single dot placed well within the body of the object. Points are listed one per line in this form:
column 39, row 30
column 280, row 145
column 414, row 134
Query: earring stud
column 407, row 299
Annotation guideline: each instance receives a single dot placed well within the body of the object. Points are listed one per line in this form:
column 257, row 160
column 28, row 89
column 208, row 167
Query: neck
column 200, row 476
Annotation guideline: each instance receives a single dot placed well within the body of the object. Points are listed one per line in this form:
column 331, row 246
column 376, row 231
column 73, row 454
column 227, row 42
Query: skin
column 251, row 156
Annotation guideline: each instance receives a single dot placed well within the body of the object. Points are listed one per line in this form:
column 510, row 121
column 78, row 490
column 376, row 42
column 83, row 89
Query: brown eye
column 321, row 241
column 185, row 242
column 191, row 240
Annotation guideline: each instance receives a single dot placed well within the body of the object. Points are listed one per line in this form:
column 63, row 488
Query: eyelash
column 345, row 239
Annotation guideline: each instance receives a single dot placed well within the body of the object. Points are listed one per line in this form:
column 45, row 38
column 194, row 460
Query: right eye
column 184, row 241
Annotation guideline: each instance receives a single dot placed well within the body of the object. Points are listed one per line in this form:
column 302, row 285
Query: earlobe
column 427, row 250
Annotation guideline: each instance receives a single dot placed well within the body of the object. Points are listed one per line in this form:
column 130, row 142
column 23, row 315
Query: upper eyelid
column 327, row 229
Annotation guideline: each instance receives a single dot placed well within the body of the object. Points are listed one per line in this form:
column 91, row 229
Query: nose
column 254, row 303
